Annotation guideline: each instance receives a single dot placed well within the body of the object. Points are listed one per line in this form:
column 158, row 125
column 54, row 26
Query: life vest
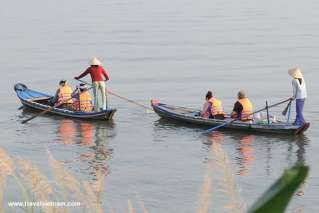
column 246, row 114
column 216, row 107
column 85, row 102
column 65, row 94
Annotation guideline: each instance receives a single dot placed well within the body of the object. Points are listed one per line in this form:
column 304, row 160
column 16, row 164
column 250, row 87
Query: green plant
column 277, row 197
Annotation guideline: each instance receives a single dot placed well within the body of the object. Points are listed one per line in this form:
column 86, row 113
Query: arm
column 238, row 108
column 87, row 71
column 294, row 88
column 106, row 74
column 205, row 108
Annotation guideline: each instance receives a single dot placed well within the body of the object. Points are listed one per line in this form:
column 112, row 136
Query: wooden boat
column 40, row 101
column 192, row 116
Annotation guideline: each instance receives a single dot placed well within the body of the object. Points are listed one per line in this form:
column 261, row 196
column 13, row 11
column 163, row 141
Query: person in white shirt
column 299, row 93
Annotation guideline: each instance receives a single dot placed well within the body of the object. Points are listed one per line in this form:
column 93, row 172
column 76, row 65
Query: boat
column 192, row 116
column 40, row 101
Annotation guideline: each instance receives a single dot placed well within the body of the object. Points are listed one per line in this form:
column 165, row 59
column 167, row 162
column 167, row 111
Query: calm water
column 174, row 51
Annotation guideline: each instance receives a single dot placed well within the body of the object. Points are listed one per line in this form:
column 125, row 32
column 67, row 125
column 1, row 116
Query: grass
column 35, row 186
column 218, row 180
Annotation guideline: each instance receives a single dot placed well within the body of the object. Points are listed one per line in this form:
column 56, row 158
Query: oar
column 122, row 97
column 284, row 112
column 231, row 121
column 45, row 111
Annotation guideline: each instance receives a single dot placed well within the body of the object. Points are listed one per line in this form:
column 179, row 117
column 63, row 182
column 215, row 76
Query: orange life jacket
column 85, row 102
column 65, row 95
column 246, row 114
column 217, row 106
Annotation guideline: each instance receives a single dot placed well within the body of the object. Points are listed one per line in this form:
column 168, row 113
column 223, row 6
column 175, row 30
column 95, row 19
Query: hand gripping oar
column 122, row 97
column 227, row 123
column 284, row 112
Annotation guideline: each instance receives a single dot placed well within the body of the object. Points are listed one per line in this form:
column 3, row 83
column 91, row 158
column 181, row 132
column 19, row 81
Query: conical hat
column 295, row 72
column 95, row 61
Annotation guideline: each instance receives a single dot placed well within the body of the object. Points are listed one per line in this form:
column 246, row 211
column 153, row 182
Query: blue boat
column 40, row 101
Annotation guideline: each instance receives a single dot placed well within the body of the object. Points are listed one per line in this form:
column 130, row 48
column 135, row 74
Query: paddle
column 47, row 110
column 227, row 123
column 122, row 97
column 284, row 112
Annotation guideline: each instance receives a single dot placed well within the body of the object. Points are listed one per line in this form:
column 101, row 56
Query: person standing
column 98, row 76
column 299, row 93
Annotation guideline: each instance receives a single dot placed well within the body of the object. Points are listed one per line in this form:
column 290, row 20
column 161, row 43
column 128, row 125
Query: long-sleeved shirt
column 96, row 73
column 299, row 91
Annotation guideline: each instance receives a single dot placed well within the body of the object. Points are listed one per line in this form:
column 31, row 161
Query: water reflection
column 246, row 147
column 246, row 152
column 93, row 135
column 67, row 131
column 216, row 137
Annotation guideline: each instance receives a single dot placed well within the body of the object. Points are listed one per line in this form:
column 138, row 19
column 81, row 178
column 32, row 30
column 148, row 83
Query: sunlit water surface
column 174, row 51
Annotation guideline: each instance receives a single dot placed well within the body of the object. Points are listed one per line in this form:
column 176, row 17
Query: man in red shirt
column 98, row 76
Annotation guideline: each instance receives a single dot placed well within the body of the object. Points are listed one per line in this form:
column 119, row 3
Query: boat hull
column 190, row 116
column 38, row 101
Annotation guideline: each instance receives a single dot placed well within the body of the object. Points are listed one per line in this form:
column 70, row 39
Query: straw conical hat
column 95, row 61
column 295, row 72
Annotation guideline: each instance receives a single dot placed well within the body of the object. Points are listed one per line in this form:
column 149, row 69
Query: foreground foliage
column 277, row 197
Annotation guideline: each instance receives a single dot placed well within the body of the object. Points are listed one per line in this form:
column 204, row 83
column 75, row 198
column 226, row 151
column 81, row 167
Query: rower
column 299, row 93
column 243, row 108
column 82, row 99
column 98, row 76
column 213, row 107
column 63, row 95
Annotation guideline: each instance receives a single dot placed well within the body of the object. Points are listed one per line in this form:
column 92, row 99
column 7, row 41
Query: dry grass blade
column 38, row 182
column 6, row 164
column 94, row 191
column 64, row 179
column 130, row 207
column 2, row 184
column 143, row 206
column 205, row 195
column 91, row 200
column 227, row 183
column 99, row 183
column 6, row 168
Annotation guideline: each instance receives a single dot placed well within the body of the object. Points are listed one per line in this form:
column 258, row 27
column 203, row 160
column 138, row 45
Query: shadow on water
column 93, row 135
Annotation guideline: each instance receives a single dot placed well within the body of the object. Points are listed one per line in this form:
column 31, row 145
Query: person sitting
column 82, row 99
column 63, row 98
column 243, row 108
column 213, row 107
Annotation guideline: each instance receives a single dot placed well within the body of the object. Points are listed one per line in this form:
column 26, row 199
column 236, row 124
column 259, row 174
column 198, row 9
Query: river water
column 174, row 51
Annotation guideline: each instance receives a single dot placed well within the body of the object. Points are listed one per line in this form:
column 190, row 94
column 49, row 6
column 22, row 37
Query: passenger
column 213, row 107
column 299, row 93
column 82, row 99
column 243, row 108
column 98, row 76
column 63, row 98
